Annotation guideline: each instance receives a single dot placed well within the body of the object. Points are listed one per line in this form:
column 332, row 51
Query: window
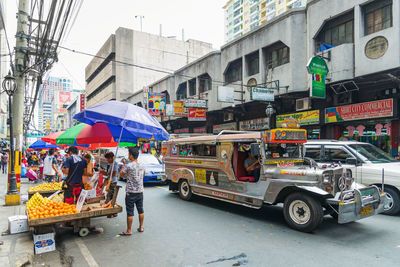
column 253, row 26
column 237, row 20
column 181, row 93
column 197, row 150
column 336, row 32
column 313, row 152
column 204, row 83
column 237, row 12
column 378, row 16
column 237, row 28
column 234, row 71
column 336, row 154
column 252, row 62
column 254, row 9
column 192, row 87
column 278, row 56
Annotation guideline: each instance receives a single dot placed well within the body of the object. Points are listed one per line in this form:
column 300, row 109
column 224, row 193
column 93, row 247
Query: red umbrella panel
column 51, row 138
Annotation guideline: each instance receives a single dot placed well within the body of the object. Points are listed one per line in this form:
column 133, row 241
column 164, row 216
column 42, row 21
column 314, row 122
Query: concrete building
column 5, row 60
column 242, row 16
column 359, row 42
column 130, row 60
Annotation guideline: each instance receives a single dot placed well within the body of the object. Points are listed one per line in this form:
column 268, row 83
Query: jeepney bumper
column 358, row 204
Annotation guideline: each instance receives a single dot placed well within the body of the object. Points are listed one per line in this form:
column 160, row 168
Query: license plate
column 367, row 192
column 159, row 177
column 366, row 211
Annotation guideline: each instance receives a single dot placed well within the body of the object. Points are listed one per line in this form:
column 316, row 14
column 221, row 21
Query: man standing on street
column 134, row 190
column 50, row 168
column 111, row 179
column 4, row 161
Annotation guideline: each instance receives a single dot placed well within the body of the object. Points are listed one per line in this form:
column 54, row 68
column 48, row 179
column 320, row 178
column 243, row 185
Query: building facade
column 242, row 16
column 130, row 60
column 358, row 41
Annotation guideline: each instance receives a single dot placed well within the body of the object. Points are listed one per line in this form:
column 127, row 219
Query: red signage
column 200, row 130
column 184, row 130
column 367, row 110
column 197, row 114
column 63, row 98
column 82, row 101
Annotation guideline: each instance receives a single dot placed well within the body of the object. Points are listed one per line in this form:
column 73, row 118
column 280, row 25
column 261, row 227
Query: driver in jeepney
column 252, row 166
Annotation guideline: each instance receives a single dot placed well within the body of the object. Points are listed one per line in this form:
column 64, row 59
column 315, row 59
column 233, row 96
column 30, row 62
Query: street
column 206, row 232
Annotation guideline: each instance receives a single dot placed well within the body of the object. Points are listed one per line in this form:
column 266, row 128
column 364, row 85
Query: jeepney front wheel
column 185, row 192
column 302, row 212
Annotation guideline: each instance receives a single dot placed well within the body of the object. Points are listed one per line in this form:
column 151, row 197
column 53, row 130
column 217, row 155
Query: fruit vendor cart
column 79, row 221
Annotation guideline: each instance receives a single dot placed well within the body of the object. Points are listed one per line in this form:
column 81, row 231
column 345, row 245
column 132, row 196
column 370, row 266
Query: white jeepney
column 213, row 166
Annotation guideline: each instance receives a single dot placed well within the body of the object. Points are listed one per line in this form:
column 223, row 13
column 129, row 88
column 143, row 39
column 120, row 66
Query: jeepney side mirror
column 255, row 149
column 352, row 161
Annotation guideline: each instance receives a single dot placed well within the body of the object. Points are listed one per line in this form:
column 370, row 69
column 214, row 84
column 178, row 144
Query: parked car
column 366, row 162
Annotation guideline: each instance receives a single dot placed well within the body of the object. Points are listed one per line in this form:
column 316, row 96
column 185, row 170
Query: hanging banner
column 367, row 110
column 179, row 131
column 318, row 69
column 179, row 109
column 200, row 130
column 254, row 125
column 197, row 114
column 225, row 126
column 82, row 101
column 225, row 94
column 169, row 110
column 303, row 118
column 195, row 103
column 156, row 104
column 63, row 99
column 262, row 94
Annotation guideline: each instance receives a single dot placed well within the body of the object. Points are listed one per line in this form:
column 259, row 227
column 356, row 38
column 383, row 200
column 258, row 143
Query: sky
column 201, row 20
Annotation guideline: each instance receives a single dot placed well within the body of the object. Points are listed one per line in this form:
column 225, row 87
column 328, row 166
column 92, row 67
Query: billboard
column 226, row 94
column 303, row 118
column 197, row 114
column 179, row 108
column 63, row 98
column 156, row 104
column 195, row 103
column 262, row 94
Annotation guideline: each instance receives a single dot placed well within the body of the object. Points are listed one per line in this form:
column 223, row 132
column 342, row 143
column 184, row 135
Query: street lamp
column 10, row 87
column 269, row 111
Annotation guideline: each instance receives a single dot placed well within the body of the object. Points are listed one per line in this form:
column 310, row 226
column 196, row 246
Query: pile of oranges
column 51, row 209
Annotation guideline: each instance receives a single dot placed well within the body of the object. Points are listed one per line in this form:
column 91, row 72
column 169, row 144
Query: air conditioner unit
column 228, row 116
column 303, row 104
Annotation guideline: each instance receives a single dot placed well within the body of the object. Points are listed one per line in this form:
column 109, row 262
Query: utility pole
column 141, row 17
column 21, row 60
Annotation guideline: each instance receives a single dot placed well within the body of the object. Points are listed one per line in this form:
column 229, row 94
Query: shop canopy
column 40, row 144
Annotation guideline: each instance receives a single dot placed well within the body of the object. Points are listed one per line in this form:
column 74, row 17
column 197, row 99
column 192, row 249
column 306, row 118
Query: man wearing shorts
column 134, row 172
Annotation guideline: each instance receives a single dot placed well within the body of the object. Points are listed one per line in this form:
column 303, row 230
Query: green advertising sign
column 318, row 69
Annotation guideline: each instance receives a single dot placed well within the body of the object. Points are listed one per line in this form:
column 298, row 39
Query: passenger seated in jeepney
column 252, row 166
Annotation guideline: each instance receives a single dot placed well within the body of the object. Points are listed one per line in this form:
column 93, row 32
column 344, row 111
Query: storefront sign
column 184, row 130
column 200, row 130
column 179, row 109
column 82, row 102
column 261, row 94
column 285, row 136
column 197, row 114
column 225, row 126
column 376, row 47
column 169, row 110
column 225, row 94
column 195, row 103
column 318, row 69
column 254, row 125
column 367, row 110
column 156, row 104
column 303, row 118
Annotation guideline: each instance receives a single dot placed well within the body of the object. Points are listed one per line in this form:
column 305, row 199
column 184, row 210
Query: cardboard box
column 44, row 243
column 18, row 224
column 91, row 194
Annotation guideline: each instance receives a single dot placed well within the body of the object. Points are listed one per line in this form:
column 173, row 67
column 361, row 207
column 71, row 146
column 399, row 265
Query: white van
column 367, row 163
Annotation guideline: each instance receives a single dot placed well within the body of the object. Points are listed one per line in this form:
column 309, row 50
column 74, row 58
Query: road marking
column 86, row 253
column 166, row 189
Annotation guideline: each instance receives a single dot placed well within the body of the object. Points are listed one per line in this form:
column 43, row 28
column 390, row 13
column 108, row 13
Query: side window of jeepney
column 197, row 150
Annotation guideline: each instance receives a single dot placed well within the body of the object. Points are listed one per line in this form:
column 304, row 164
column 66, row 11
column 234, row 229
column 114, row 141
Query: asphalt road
column 206, row 232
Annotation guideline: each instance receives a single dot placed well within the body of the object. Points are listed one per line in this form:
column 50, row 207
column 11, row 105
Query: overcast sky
column 97, row 19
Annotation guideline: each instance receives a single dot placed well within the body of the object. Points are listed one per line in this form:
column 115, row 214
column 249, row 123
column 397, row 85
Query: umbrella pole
column 115, row 157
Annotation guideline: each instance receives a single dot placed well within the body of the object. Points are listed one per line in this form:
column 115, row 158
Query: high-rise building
column 54, row 97
column 242, row 16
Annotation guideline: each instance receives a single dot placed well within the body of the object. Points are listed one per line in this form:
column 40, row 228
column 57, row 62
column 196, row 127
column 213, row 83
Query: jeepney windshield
column 283, row 151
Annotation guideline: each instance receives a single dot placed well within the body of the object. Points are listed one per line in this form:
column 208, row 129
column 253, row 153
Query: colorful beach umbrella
column 40, row 144
column 51, row 138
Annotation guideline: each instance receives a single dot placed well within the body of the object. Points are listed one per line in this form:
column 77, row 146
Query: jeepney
column 213, row 166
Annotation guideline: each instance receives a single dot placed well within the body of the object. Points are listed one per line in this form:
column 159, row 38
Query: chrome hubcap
column 388, row 202
column 185, row 188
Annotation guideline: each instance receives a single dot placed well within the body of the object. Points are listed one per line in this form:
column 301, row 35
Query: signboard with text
column 82, row 101
column 197, row 114
column 318, row 69
column 226, row 126
column 200, row 130
column 184, row 130
column 254, row 125
column 367, row 110
column 179, row 109
column 225, row 94
column 169, row 110
column 156, row 104
column 195, row 103
column 262, row 94
column 63, row 98
column 303, row 118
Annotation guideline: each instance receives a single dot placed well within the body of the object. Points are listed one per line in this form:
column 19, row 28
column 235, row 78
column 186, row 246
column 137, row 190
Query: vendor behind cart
column 111, row 183
column 74, row 168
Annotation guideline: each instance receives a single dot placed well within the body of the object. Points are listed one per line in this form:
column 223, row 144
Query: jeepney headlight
column 326, row 177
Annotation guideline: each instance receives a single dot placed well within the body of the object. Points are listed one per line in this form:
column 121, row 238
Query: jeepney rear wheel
column 302, row 212
column 392, row 203
column 185, row 192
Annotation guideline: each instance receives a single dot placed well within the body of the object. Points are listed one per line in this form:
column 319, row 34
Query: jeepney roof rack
column 232, row 132
column 183, row 135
